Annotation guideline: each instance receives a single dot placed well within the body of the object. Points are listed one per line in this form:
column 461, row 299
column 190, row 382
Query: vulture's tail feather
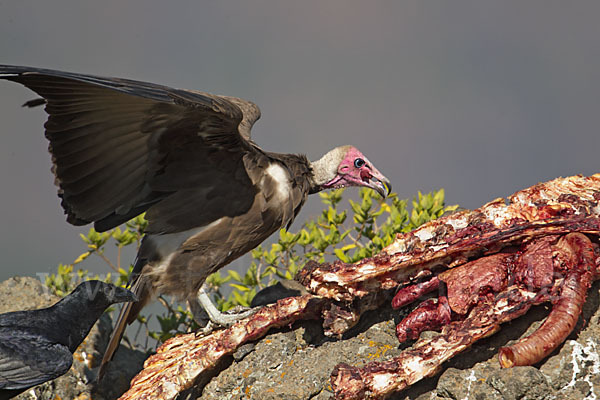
column 128, row 314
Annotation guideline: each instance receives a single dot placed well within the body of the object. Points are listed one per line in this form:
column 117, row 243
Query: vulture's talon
column 226, row 320
column 215, row 316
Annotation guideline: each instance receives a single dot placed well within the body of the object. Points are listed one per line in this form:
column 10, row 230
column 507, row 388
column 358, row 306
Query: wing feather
column 99, row 164
column 121, row 146
column 28, row 359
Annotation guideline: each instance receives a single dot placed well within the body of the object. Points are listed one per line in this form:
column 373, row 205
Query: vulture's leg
column 217, row 317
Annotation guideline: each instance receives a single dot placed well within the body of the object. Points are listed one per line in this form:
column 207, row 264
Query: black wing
column 120, row 147
column 28, row 359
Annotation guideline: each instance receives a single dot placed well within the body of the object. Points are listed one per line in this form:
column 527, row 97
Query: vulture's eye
column 359, row 162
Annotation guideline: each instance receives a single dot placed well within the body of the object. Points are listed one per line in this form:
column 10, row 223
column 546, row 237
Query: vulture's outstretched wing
column 28, row 359
column 121, row 147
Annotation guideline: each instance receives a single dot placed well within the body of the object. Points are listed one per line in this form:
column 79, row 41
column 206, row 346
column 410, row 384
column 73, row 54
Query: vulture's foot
column 202, row 305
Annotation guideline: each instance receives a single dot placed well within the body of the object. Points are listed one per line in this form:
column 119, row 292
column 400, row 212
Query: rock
column 24, row 293
column 124, row 366
column 19, row 294
column 296, row 363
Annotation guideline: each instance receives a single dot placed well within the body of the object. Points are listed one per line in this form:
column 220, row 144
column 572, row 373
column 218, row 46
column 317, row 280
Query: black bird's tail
column 141, row 288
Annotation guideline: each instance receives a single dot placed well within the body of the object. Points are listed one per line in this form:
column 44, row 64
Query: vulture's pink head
column 347, row 166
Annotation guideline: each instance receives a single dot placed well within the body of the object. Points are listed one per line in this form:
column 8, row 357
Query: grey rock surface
column 24, row 293
column 20, row 293
column 295, row 363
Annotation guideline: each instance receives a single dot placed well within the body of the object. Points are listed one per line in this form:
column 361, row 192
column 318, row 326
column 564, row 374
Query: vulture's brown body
column 121, row 147
column 230, row 234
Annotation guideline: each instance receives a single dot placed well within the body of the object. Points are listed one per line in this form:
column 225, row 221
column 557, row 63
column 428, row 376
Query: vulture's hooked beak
column 380, row 184
column 375, row 180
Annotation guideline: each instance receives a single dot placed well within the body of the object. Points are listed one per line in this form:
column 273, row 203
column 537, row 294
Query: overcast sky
column 480, row 98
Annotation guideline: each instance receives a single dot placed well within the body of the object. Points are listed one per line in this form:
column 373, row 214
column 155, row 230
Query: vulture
column 121, row 147
column 37, row 345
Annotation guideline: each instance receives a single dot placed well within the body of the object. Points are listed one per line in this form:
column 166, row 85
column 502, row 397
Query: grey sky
column 481, row 98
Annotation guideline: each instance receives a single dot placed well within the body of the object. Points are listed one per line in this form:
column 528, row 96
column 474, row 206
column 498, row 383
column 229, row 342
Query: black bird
column 121, row 147
column 37, row 345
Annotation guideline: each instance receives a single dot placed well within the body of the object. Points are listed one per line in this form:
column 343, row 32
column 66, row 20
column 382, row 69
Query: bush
column 347, row 234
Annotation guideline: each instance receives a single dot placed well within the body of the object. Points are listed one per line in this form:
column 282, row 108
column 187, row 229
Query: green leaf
column 241, row 288
column 82, row 257
column 341, row 255
column 235, row 275
column 240, row 300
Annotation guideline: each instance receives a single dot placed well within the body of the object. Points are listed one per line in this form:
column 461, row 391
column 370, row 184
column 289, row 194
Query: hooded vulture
column 121, row 147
